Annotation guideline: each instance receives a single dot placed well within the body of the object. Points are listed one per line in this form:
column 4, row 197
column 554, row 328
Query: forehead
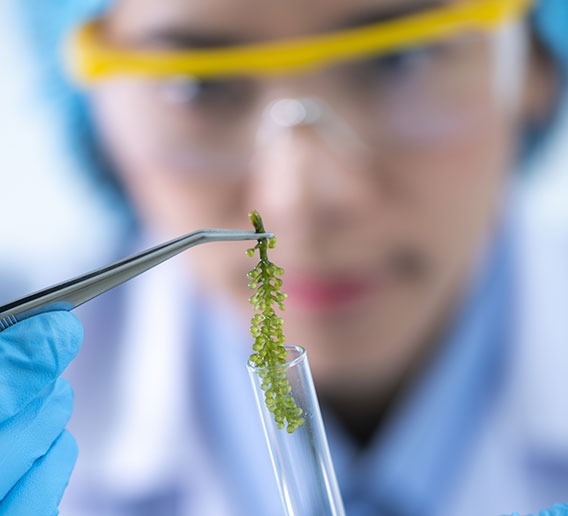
column 252, row 19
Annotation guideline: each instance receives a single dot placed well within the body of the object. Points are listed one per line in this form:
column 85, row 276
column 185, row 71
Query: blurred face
column 382, row 201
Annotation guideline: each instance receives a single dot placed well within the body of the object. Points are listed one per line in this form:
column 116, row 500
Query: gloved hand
column 37, row 454
column 560, row 509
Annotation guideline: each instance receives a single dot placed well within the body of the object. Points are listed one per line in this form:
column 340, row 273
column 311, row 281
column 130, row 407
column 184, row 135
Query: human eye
column 188, row 91
column 388, row 70
column 405, row 61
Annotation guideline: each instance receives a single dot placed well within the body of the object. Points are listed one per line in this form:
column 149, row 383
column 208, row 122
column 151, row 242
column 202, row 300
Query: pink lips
column 327, row 294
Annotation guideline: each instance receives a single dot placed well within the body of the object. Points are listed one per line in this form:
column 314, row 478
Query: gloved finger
column 33, row 353
column 27, row 436
column 40, row 491
column 559, row 509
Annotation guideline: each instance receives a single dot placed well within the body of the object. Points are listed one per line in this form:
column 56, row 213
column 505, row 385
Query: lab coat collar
column 540, row 380
column 228, row 415
column 139, row 455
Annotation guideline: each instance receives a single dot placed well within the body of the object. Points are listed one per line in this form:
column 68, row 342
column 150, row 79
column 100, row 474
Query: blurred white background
column 52, row 224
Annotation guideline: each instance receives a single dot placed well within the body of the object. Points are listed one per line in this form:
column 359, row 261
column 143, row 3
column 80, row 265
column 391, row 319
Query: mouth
column 329, row 293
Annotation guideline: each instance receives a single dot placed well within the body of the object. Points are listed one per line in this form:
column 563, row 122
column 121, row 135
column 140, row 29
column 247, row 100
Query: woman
column 381, row 142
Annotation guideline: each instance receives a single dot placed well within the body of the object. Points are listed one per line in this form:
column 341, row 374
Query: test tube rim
column 286, row 365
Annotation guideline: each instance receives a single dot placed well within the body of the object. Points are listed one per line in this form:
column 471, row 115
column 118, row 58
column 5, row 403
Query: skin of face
column 377, row 247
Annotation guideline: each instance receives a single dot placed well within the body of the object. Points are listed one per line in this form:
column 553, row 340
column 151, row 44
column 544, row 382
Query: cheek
column 164, row 196
column 173, row 209
column 181, row 206
column 471, row 176
column 170, row 205
column 221, row 269
column 458, row 199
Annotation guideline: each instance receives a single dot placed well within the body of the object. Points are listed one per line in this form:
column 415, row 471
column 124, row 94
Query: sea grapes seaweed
column 266, row 328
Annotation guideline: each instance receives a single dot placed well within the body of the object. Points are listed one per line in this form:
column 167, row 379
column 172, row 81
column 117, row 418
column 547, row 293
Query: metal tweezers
column 74, row 292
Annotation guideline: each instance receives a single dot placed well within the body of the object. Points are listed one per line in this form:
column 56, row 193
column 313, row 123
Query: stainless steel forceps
column 71, row 293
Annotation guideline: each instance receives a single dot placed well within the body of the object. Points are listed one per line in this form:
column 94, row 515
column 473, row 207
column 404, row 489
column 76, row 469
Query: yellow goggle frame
column 91, row 58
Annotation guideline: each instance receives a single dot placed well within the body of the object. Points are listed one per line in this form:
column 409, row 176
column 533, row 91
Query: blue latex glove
column 37, row 454
column 560, row 509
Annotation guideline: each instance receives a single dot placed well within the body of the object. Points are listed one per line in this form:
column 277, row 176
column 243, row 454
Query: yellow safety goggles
column 91, row 58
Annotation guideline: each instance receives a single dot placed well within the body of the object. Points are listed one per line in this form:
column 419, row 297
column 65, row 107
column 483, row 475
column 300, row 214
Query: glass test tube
column 301, row 460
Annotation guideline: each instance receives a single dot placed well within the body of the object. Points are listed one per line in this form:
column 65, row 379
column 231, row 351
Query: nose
column 306, row 164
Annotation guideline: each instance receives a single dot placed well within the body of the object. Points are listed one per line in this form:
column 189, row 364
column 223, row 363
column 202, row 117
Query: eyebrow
column 174, row 38
column 393, row 12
